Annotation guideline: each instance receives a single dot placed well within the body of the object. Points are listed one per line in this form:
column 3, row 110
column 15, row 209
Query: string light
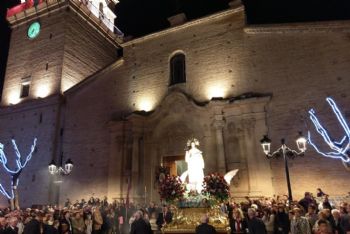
column 20, row 166
column 341, row 149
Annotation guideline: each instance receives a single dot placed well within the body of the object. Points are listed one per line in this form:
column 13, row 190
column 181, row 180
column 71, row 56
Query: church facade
column 119, row 117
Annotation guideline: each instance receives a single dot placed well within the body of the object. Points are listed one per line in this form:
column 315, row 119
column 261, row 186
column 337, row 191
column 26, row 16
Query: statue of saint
column 195, row 165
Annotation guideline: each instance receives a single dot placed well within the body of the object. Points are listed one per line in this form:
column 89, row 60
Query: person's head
column 307, row 195
column 138, row 215
column 237, row 213
column 322, row 226
column 165, row 209
column 251, row 213
column 13, row 221
column 291, row 214
column 204, row 219
column 336, row 214
column 311, row 209
column 281, row 208
column 297, row 212
column 2, row 221
column 77, row 215
column 322, row 215
column 267, row 211
column 66, row 214
column 319, row 190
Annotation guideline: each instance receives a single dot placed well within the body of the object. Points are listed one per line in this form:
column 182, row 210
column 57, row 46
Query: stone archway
column 229, row 134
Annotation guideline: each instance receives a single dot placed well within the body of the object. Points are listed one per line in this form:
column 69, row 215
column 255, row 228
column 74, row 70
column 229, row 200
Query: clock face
column 33, row 30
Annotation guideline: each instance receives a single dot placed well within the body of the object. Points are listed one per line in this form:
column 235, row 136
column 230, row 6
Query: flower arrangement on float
column 215, row 187
column 171, row 189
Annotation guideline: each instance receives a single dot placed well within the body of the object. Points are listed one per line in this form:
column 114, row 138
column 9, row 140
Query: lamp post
column 286, row 152
column 59, row 170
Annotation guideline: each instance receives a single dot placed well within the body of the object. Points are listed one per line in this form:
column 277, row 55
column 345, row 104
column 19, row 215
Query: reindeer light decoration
column 340, row 149
column 14, row 173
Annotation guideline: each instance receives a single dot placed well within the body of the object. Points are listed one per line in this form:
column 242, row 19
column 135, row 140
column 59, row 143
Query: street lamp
column 67, row 169
column 287, row 153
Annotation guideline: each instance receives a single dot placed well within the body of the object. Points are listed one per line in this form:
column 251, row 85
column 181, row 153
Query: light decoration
column 16, row 172
column 341, row 149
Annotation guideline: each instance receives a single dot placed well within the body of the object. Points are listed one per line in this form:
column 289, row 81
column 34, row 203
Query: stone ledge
column 311, row 27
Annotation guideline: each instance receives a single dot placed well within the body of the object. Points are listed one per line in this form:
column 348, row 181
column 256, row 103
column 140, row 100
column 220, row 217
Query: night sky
column 141, row 17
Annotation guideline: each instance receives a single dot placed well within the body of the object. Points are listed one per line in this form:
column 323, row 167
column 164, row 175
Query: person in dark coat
column 255, row 225
column 34, row 225
column 2, row 225
column 238, row 223
column 12, row 226
column 306, row 201
column 164, row 217
column 282, row 223
column 204, row 227
column 139, row 226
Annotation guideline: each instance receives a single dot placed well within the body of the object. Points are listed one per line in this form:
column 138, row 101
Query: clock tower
column 55, row 45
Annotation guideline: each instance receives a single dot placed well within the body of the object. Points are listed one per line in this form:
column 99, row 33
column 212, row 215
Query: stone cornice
column 186, row 25
column 308, row 27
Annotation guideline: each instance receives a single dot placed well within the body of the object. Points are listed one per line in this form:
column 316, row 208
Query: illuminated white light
column 14, row 98
column 43, row 91
column 20, row 165
column 341, row 149
column 216, row 91
column 145, row 105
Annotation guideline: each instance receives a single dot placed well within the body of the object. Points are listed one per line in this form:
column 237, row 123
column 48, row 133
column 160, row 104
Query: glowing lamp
column 52, row 167
column 301, row 142
column 68, row 166
column 266, row 144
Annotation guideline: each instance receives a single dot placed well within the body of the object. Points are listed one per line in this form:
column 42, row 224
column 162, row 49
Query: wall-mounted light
column 145, row 104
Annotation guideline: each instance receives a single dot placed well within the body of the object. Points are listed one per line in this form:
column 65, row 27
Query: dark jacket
column 10, row 230
column 256, row 226
column 33, row 227
column 282, row 223
column 205, row 228
column 49, row 229
column 140, row 227
column 161, row 219
column 243, row 225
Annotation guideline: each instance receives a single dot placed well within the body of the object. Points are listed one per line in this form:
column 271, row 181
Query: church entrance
column 176, row 164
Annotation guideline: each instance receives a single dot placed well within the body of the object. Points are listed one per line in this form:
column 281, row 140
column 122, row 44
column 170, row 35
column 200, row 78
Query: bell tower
column 56, row 44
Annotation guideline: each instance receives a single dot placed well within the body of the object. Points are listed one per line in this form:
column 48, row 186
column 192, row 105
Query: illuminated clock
column 33, row 30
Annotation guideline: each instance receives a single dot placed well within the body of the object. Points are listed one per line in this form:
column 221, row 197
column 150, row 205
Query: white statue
column 195, row 166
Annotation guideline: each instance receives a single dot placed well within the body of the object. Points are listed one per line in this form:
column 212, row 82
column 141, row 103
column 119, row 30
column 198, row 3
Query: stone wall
column 298, row 68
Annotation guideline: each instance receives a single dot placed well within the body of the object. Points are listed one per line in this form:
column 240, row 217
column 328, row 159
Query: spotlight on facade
column 43, row 91
column 216, row 92
column 145, row 105
column 13, row 98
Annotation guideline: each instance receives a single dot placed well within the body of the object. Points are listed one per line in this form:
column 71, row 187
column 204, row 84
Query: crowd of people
column 251, row 216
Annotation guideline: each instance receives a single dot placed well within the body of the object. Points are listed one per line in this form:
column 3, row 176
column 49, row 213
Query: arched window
column 177, row 69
